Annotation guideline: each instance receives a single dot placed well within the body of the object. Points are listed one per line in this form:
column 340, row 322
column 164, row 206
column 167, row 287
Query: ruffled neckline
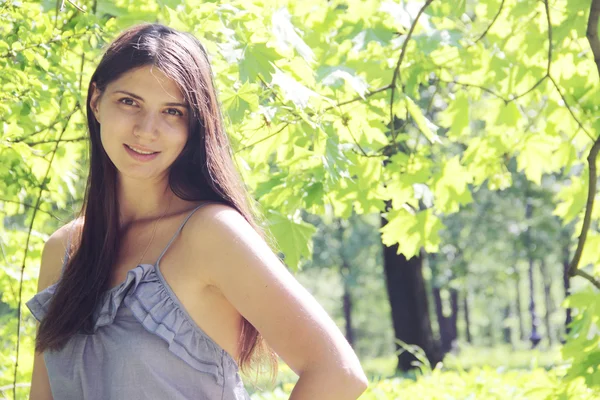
column 112, row 299
column 147, row 267
column 153, row 303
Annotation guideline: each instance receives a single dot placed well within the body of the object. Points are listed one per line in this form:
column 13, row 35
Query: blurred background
column 427, row 169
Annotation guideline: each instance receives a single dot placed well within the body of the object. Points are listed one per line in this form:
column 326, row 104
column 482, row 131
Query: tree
column 351, row 105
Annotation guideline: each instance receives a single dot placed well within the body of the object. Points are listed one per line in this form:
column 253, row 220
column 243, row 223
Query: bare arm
column 40, row 384
column 50, row 268
column 241, row 265
column 321, row 383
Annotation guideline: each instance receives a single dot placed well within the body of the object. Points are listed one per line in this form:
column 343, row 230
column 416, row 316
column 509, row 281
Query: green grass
column 503, row 357
column 474, row 374
column 477, row 384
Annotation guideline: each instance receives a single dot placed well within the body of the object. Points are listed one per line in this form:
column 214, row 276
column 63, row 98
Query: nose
column 146, row 126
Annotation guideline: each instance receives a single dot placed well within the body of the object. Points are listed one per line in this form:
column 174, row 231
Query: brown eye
column 177, row 112
column 126, row 99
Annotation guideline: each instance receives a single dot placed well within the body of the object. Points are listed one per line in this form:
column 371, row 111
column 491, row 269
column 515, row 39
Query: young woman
column 165, row 283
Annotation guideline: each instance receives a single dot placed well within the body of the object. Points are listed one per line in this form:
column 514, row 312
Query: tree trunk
column 535, row 337
column 443, row 321
column 519, row 301
column 345, row 272
column 408, row 300
column 453, row 318
column 467, row 319
column 347, row 299
column 566, row 284
column 547, row 299
column 506, row 333
column 492, row 328
column 447, row 323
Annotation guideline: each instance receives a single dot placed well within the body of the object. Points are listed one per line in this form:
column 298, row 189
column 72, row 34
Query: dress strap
column 177, row 232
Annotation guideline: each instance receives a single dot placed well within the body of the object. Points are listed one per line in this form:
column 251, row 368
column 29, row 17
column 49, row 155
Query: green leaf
column 257, row 59
column 572, row 198
column 294, row 236
column 451, row 187
column 174, row 21
column 534, row 157
column 456, row 116
column 412, row 231
column 334, row 160
column 292, row 89
column 286, row 34
column 428, row 128
column 237, row 102
column 509, row 115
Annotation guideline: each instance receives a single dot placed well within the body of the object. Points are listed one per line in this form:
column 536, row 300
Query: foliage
column 338, row 106
column 583, row 344
column 478, row 383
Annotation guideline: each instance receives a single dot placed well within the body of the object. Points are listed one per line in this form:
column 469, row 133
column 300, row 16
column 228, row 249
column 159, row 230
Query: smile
column 139, row 151
column 139, row 154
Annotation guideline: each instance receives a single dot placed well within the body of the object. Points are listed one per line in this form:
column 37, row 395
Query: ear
column 95, row 100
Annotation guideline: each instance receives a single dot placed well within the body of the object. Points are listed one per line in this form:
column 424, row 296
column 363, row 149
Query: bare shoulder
column 54, row 251
column 214, row 223
column 216, row 230
column 218, row 216
column 236, row 259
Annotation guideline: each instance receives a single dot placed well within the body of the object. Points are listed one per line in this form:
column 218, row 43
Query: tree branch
column 399, row 63
column 76, row 6
column 30, row 206
column 355, row 141
column 491, row 24
column 35, row 209
column 76, row 139
column 592, row 32
column 589, row 205
column 358, row 98
column 490, row 91
column 589, row 277
column 570, row 109
column 57, row 38
column 56, row 121
column 263, row 139
column 592, row 35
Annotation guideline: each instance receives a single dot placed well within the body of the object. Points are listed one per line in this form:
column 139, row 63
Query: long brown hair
column 205, row 170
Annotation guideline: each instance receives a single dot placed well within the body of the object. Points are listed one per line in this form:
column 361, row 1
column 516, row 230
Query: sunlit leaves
column 286, row 34
column 451, row 187
column 337, row 76
column 296, row 81
column 293, row 90
column 456, row 116
column 534, row 158
column 293, row 236
column 412, row 231
column 426, row 127
column 583, row 345
column 485, row 158
column 237, row 102
column 257, row 60
column 571, row 199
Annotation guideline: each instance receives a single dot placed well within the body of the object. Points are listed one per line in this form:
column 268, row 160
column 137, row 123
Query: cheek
column 179, row 140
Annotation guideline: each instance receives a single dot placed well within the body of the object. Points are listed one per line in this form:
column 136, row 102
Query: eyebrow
column 135, row 96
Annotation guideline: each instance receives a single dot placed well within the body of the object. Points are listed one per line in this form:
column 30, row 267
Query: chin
column 140, row 174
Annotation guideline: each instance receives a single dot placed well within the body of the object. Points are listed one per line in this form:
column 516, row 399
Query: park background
column 428, row 170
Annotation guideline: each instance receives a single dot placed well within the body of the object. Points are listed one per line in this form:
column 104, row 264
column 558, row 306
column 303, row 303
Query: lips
column 140, row 148
column 138, row 156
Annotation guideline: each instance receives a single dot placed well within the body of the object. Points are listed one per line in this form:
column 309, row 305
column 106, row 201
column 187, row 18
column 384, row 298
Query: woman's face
column 143, row 110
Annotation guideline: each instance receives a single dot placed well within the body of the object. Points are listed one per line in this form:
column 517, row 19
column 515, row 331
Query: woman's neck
column 142, row 201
